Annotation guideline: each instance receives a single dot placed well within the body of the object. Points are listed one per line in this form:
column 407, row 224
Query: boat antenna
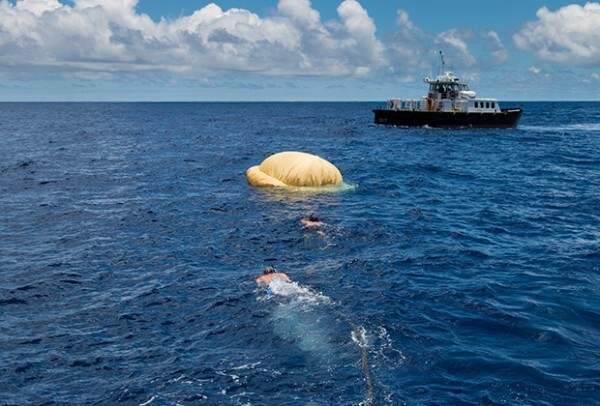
column 443, row 65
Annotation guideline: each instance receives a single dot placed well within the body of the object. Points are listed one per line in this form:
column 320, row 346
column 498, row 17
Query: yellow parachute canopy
column 294, row 169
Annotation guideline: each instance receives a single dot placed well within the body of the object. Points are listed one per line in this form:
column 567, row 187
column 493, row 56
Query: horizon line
column 273, row 101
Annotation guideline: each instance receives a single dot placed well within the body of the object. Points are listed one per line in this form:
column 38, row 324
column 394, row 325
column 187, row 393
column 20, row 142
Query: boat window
column 487, row 105
column 476, row 105
column 493, row 105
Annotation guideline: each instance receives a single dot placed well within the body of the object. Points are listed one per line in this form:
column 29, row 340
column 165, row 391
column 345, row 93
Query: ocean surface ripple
column 130, row 242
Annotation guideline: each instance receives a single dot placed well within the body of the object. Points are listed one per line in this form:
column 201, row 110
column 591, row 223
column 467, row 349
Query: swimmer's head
column 313, row 218
column 269, row 270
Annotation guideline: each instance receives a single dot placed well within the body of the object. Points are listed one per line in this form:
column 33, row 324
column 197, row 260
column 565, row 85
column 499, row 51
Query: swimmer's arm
column 285, row 277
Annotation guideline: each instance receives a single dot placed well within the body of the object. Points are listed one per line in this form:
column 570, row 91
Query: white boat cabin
column 447, row 94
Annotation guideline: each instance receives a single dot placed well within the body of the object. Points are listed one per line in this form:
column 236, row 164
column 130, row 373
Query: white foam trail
column 383, row 349
column 304, row 317
column 583, row 127
column 364, row 342
column 295, row 291
column 247, row 366
column 148, row 401
column 234, row 378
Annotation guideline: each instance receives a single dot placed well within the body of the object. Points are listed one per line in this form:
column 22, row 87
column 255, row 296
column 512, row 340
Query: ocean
column 454, row 267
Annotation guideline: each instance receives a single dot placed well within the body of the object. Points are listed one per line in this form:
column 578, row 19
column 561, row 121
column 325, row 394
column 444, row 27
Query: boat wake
column 563, row 129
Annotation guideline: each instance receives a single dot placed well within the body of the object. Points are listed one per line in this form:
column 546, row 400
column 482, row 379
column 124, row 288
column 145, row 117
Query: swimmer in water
column 313, row 221
column 270, row 274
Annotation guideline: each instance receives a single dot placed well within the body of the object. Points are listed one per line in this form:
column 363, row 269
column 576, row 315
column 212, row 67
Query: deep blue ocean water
column 130, row 242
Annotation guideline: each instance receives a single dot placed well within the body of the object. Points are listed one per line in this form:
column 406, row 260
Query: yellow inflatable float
column 294, row 169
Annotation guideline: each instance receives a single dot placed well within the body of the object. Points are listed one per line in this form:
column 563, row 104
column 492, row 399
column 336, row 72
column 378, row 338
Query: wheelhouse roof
column 444, row 81
column 447, row 79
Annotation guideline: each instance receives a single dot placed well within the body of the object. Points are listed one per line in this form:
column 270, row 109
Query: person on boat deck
column 270, row 274
column 313, row 221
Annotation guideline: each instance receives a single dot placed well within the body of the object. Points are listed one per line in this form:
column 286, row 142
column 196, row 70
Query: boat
column 449, row 104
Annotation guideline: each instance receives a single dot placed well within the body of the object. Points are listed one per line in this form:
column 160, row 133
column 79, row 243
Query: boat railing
column 407, row 104
column 425, row 104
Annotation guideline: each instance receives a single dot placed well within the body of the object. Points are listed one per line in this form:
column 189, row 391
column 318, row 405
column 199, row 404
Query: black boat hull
column 507, row 118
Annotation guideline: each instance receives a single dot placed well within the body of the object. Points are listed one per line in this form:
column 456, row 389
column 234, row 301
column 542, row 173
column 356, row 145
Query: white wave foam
column 582, row 127
column 385, row 348
column 297, row 292
column 304, row 317
column 363, row 340
column 148, row 401
column 247, row 366
column 235, row 378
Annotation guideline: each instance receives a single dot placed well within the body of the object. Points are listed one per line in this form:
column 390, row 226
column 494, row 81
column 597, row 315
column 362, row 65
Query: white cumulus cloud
column 569, row 35
column 458, row 45
column 301, row 11
column 107, row 37
column 498, row 53
column 360, row 31
column 408, row 47
column 455, row 41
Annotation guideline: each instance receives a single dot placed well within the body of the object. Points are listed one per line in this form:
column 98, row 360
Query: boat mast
column 443, row 64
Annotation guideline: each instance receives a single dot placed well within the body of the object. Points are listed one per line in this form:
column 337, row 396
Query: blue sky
column 186, row 50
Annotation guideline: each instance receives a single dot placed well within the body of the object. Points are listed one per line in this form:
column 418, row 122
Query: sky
column 295, row 50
